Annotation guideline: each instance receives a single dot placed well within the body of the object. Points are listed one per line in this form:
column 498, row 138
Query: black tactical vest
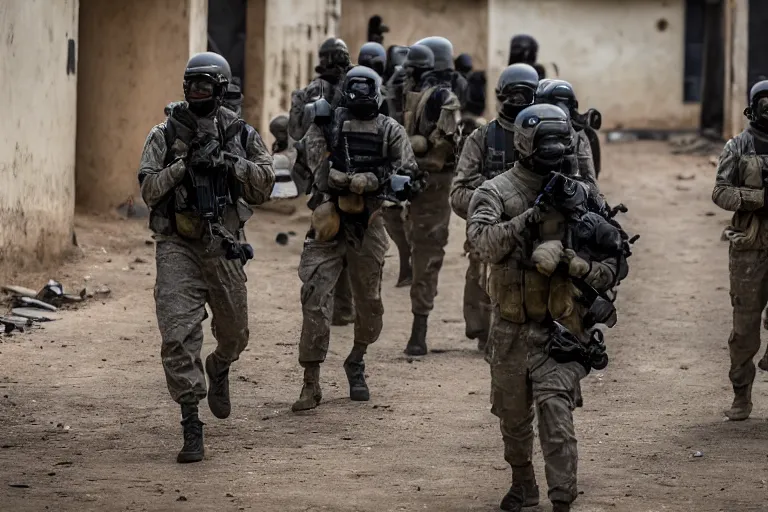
column 500, row 152
column 359, row 150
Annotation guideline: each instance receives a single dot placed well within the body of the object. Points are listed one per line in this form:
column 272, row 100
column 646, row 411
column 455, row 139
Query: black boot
column 561, row 506
column 417, row 344
column 311, row 394
column 193, row 450
column 514, row 500
column 406, row 272
column 525, row 477
column 354, row 367
column 218, row 387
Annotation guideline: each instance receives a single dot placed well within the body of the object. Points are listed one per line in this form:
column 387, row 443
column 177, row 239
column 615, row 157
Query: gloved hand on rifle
column 206, row 155
column 564, row 194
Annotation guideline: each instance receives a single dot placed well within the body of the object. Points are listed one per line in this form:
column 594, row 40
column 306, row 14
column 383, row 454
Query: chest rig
column 359, row 146
column 500, row 153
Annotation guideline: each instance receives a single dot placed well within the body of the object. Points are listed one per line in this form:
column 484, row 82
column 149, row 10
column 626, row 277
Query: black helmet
column 463, row 63
column 396, row 55
column 442, row 49
column 205, row 82
column 362, row 92
column 374, row 56
column 233, row 97
column 279, row 126
column 420, row 57
column 758, row 91
column 543, row 137
column 523, row 48
column 333, row 53
column 559, row 93
column 516, row 90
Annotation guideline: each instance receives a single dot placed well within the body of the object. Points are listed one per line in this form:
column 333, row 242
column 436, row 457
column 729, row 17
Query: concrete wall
column 464, row 22
column 37, row 150
column 281, row 52
column 132, row 58
column 623, row 58
column 736, row 57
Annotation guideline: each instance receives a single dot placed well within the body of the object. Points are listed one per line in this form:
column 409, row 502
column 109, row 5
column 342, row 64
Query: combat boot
column 514, row 500
column 526, row 478
column 417, row 344
column 311, row 395
column 405, row 278
column 354, row 367
column 218, row 387
column 561, row 506
column 763, row 363
column 742, row 404
column 193, row 449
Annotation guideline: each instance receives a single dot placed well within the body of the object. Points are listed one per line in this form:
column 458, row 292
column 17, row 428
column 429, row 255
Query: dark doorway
column 226, row 33
column 757, row 57
column 713, row 71
column 694, row 50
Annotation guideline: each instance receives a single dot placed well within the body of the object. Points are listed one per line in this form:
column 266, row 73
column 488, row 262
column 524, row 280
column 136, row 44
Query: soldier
column 525, row 49
column 367, row 149
column 419, row 61
column 374, row 56
column 288, row 182
column 432, row 116
column 539, row 348
column 233, row 98
column 489, row 151
column 333, row 67
column 740, row 188
column 199, row 171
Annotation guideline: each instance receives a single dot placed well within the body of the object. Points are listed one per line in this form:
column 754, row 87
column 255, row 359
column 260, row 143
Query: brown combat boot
column 742, row 404
column 311, row 395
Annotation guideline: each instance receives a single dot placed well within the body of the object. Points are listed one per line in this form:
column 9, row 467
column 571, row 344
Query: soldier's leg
column 394, row 222
column 512, row 403
column 343, row 303
column 747, row 272
column 366, row 264
column 228, row 300
column 180, row 292
column 555, row 390
column 319, row 270
column 428, row 219
column 477, row 304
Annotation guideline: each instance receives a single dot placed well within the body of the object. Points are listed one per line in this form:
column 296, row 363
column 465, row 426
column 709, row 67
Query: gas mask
column 202, row 97
column 550, row 150
column 760, row 113
column 362, row 99
column 513, row 99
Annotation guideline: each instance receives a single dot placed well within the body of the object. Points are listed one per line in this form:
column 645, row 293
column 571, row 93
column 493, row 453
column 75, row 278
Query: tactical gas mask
column 760, row 112
column 552, row 145
column 362, row 98
column 333, row 61
column 513, row 99
column 203, row 95
column 233, row 100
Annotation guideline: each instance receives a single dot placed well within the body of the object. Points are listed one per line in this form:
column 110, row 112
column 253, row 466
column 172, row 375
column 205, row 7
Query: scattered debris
column 685, row 177
column 19, row 486
column 282, row 238
column 37, row 315
column 20, row 291
column 698, row 454
column 26, row 302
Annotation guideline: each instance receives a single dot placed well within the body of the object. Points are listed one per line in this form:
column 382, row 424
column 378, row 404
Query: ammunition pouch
column 505, row 287
column 565, row 348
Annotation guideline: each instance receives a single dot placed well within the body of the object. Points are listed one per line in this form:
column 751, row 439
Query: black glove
column 202, row 154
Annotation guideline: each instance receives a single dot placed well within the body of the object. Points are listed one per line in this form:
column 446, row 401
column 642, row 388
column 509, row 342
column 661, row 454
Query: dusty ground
column 86, row 422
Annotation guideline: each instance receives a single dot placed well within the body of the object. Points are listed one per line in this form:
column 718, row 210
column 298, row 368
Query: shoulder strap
column 170, row 138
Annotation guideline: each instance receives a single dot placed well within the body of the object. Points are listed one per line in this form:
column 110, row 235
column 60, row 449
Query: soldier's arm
column 403, row 160
column 315, row 150
column 468, row 176
column 492, row 237
column 155, row 179
column 585, row 161
column 727, row 194
column 255, row 172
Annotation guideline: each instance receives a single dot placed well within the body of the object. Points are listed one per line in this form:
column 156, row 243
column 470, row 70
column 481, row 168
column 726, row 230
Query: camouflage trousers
column 320, row 267
column 427, row 228
column 185, row 283
column 395, row 224
column 749, row 295
column 343, row 303
column 477, row 304
column 523, row 379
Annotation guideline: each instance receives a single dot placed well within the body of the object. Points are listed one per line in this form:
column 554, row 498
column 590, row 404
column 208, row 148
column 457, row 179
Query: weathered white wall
column 736, row 56
column 132, row 59
column 464, row 22
column 37, row 150
column 281, row 52
column 198, row 26
column 613, row 53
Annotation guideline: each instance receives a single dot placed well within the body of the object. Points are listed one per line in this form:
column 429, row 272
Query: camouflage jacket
column 740, row 188
column 319, row 87
column 397, row 146
column 434, row 113
column 161, row 173
column 470, row 174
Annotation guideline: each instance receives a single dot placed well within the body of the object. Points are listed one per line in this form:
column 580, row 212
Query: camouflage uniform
column 523, row 376
column 433, row 113
column 192, row 273
column 739, row 187
column 328, row 87
column 363, row 248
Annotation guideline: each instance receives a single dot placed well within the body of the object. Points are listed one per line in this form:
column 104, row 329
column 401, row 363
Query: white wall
column 38, row 99
column 611, row 51
column 198, row 26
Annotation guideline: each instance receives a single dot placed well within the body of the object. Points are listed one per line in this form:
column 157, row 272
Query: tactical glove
column 577, row 266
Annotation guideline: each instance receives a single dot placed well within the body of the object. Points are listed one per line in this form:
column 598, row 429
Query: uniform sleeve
column 403, row 160
column 315, row 149
column 585, row 161
column 602, row 274
column 490, row 236
column 255, row 172
column 155, row 179
column 727, row 194
column 468, row 175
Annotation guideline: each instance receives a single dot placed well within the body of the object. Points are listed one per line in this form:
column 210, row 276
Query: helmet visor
column 200, row 89
column 361, row 89
column 517, row 95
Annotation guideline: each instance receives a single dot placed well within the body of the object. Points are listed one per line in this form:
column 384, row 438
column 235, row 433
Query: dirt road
column 86, row 422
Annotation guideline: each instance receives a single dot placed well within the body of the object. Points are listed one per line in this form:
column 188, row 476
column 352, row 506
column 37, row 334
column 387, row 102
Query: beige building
column 85, row 80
